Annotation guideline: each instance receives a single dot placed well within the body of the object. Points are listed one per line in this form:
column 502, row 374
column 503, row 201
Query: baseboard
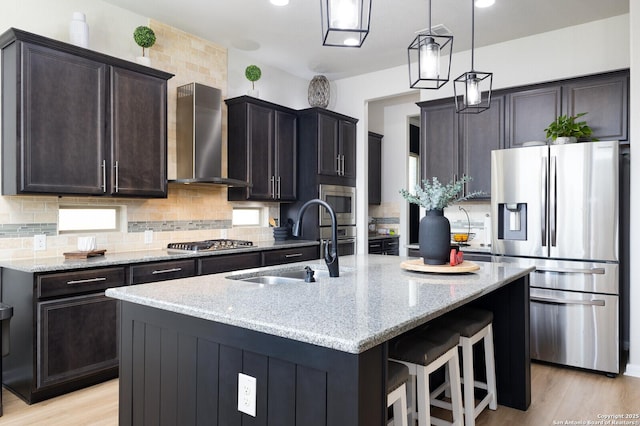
column 632, row 370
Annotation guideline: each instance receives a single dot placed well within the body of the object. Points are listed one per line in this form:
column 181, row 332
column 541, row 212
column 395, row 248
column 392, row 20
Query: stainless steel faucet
column 330, row 250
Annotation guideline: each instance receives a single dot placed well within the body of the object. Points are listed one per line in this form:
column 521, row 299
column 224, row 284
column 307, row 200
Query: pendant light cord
column 429, row 29
column 473, row 31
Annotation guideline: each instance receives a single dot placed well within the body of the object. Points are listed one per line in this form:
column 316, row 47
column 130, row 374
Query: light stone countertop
column 59, row 263
column 371, row 302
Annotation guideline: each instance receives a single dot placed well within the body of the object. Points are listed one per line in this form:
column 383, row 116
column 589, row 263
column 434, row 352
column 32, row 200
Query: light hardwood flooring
column 558, row 396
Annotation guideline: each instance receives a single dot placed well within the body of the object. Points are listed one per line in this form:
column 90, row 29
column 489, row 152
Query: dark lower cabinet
column 77, row 337
column 161, row 271
column 290, row 255
column 387, row 246
column 231, row 262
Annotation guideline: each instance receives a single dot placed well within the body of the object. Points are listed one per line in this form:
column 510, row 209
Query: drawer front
column 392, row 246
column 227, row 263
column 299, row 254
column 78, row 282
column 161, row 271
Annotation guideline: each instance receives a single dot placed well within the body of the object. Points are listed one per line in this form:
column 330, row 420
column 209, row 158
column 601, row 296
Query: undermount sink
column 279, row 276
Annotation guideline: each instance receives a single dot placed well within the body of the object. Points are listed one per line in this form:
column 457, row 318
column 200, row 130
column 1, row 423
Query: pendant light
column 473, row 88
column 426, row 55
column 345, row 23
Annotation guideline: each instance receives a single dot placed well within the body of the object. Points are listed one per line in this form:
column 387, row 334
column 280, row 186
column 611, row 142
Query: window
column 88, row 219
column 247, row 216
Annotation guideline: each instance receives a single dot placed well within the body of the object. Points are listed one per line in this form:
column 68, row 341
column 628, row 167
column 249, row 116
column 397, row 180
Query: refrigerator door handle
column 594, row 302
column 593, row 271
column 553, row 199
column 543, row 196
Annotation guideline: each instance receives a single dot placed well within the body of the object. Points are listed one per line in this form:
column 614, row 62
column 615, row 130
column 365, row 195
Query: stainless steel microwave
column 343, row 201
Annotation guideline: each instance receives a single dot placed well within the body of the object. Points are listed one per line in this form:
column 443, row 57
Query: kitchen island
column 318, row 350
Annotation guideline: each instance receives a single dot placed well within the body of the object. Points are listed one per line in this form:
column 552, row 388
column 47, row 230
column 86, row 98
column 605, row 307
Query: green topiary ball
column 144, row 37
column 253, row 73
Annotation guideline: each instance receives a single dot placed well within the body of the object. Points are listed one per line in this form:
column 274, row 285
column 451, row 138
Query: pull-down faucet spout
column 330, row 254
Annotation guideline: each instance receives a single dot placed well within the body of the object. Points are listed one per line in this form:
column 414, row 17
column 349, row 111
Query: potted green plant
column 145, row 38
column 253, row 74
column 565, row 129
column 435, row 230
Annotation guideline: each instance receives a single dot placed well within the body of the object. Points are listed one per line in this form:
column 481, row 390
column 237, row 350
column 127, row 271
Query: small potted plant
column 435, row 229
column 565, row 129
column 145, row 38
column 253, row 74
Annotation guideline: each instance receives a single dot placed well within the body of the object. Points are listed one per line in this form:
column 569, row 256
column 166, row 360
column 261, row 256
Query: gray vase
column 318, row 93
column 435, row 238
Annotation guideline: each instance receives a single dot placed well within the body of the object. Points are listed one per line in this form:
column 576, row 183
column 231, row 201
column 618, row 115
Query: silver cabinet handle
column 292, row 255
column 278, row 192
column 87, row 281
column 595, row 302
column 543, row 196
column 553, row 200
column 594, row 271
column 117, row 176
column 272, row 181
column 338, row 164
column 166, row 271
column 104, row 176
column 374, row 245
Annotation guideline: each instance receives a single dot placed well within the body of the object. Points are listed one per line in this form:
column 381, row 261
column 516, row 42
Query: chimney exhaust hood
column 199, row 136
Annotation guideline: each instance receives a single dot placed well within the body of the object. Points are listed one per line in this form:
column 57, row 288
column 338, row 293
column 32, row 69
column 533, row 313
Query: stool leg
column 403, row 408
column 422, row 397
column 491, row 368
column 468, row 379
column 456, row 397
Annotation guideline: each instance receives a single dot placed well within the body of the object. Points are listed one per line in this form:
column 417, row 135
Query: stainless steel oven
column 343, row 201
column 346, row 240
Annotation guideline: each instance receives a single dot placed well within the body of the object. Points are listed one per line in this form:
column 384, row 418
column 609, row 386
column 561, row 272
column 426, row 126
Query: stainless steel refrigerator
column 556, row 207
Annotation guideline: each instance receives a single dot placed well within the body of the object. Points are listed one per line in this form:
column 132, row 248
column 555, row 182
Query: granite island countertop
column 59, row 263
column 372, row 301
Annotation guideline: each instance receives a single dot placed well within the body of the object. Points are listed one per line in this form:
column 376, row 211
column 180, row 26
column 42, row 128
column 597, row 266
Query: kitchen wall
column 189, row 212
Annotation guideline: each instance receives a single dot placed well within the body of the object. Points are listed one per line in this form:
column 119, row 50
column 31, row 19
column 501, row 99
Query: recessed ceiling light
column 279, row 2
column 484, row 3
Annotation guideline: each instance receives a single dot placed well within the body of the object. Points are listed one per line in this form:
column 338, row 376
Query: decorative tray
column 83, row 254
column 418, row 265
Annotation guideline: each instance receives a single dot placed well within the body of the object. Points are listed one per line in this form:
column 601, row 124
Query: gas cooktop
column 208, row 245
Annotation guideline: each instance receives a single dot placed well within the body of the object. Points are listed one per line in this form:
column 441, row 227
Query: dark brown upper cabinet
column 79, row 122
column 332, row 136
column 456, row 145
column 375, row 168
column 530, row 112
column 262, row 149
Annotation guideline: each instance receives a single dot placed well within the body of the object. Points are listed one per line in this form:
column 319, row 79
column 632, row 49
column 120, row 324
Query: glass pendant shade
column 345, row 23
column 429, row 61
column 473, row 92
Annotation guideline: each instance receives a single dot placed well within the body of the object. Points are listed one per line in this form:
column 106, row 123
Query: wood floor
column 559, row 396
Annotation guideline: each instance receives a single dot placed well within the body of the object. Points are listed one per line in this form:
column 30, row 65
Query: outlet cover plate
column 148, row 236
column 247, row 394
column 39, row 242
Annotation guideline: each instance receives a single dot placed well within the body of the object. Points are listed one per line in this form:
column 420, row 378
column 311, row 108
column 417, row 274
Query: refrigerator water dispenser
column 512, row 221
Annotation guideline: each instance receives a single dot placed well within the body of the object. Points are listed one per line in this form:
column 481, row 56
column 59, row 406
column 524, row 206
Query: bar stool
column 473, row 325
column 424, row 352
column 397, row 377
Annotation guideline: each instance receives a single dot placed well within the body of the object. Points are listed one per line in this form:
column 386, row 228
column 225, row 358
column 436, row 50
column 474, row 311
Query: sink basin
column 279, row 276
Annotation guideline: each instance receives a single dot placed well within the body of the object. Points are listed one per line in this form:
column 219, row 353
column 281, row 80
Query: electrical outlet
column 148, row 236
column 247, row 394
column 39, row 242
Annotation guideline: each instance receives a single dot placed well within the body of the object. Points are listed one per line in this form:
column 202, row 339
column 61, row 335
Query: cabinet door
column 286, row 144
column 64, row 137
column 375, row 168
column 229, row 262
column 530, row 112
column 347, row 137
column 480, row 134
column 139, row 134
column 327, row 145
column 260, row 144
column 439, row 142
column 605, row 100
column 77, row 336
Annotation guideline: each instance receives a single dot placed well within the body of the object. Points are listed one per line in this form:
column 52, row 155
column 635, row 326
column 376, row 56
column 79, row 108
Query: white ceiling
column 289, row 37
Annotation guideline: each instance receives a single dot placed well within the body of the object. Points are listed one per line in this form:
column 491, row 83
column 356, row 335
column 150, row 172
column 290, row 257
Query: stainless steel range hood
column 199, row 136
